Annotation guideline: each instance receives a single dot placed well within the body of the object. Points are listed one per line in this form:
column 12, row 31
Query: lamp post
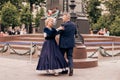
column 65, row 5
column 72, row 13
column 74, row 19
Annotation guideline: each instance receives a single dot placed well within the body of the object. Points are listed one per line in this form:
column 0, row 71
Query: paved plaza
column 16, row 67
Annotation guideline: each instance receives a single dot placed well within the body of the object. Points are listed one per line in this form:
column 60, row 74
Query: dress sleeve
column 50, row 33
column 45, row 34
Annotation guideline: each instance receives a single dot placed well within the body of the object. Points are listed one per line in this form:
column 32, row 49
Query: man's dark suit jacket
column 67, row 39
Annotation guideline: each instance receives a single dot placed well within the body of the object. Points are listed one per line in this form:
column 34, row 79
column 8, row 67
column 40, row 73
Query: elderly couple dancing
column 52, row 55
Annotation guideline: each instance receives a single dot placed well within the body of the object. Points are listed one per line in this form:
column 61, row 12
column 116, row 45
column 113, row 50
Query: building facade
column 63, row 5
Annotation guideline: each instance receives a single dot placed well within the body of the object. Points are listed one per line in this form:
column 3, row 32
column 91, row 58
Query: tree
column 103, row 22
column 38, row 17
column 93, row 11
column 115, row 27
column 17, row 3
column 9, row 15
column 31, row 8
column 26, row 17
column 113, row 7
column 110, row 21
column 37, row 2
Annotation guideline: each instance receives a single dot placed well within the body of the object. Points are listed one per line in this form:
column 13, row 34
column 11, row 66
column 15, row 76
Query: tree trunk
column 30, row 25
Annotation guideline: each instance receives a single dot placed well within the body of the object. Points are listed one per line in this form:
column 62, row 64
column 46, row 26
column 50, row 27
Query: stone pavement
column 15, row 67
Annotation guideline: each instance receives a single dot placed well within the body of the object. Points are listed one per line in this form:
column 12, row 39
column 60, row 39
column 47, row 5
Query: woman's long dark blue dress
column 51, row 57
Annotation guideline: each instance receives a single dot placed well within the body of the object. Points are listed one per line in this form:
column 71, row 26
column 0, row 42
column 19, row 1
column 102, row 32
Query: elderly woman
column 51, row 58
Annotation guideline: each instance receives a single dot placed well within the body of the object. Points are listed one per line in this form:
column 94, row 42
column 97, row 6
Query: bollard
column 7, row 48
column 31, row 52
column 35, row 55
column 99, row 54
column 113, row 50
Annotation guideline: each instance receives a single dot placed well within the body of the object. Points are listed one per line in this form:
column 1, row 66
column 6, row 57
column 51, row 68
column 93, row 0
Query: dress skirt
column 51, row 58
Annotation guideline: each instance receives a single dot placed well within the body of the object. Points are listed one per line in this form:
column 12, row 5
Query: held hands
column 60, row 28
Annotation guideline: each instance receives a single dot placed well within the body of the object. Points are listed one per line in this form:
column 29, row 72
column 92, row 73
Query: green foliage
column 9, row 15
column 93, row 11
column 0, row 16
column 42, row 12
column 37, row 20
column 103, row 22
column 31, row 8
column 17, row 3
column 1, row 3
column 113, row 7
column 36, row 1
column 115, row 27
column 38, row 17
column 110, row 21
column 26, row 16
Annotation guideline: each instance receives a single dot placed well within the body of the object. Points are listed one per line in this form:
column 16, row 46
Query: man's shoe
column 71, row 72
column 64, row 72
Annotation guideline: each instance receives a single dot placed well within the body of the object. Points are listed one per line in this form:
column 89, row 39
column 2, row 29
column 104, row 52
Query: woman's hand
column 60, row 28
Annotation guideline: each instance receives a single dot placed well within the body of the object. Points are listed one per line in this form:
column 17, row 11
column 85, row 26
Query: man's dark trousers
column 69, row 55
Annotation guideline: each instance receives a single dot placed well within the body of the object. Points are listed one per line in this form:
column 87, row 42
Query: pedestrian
column 51, row 59
column 67, row 41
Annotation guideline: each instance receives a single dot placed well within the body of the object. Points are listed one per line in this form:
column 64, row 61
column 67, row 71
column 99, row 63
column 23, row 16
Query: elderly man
column 67, row 41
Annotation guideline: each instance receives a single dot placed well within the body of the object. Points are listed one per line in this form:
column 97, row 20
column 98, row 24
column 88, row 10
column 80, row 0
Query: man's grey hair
column 67, row 15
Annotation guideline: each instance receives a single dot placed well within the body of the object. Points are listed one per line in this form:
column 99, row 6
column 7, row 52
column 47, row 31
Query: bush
column 115, row 27
column 9, row 15
column 38, row 17
column 103, row 22
column 26, row 16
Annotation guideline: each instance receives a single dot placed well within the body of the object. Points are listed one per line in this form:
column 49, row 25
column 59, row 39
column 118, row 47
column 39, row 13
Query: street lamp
column 65, row 5
column 72, row 13
column 74, row 19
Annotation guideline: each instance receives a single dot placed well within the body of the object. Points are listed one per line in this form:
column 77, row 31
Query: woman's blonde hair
column 48, row 19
